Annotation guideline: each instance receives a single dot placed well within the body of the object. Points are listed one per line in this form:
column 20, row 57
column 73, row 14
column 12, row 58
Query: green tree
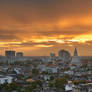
column 27, row 89
column 51, row 78
column 76, row 82
column 51, row 85
column 35, row 72
column 33, row 85
column 60, row 82
column 39, row 83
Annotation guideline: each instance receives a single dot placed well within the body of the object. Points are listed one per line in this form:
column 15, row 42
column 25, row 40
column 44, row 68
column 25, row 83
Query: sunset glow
column 46, row 25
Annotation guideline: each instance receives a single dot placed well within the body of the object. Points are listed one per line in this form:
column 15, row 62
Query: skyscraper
column 10, row 54
column 19, row 54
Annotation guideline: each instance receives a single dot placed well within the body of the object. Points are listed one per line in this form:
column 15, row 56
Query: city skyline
column 38, row 27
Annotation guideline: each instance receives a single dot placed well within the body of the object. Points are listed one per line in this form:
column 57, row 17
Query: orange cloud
column 32, row 25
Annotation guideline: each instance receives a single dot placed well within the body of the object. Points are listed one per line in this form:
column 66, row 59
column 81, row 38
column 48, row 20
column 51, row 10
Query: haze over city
column 38, row 27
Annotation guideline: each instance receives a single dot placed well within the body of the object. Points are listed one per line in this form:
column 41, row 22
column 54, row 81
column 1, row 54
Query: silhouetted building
column 64, row 55
column 19, row 54
column 52, row 57
column 9, row 54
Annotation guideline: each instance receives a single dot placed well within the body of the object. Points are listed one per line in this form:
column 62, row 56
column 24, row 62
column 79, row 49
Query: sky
column 38, row 27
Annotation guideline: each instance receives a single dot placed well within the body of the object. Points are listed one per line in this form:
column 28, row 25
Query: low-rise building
column 6, row 79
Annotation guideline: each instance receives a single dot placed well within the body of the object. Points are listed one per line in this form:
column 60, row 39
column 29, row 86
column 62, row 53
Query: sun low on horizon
column 38, row 27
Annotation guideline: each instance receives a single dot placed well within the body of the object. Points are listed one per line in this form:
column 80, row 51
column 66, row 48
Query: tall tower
column 75, row 58
column 75, row 52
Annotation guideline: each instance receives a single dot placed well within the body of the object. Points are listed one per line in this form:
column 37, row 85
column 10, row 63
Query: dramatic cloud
column 38, row 27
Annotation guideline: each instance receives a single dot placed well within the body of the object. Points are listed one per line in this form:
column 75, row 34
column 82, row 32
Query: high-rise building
column 19, row 54
column 9, row 54
column 52, row 57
